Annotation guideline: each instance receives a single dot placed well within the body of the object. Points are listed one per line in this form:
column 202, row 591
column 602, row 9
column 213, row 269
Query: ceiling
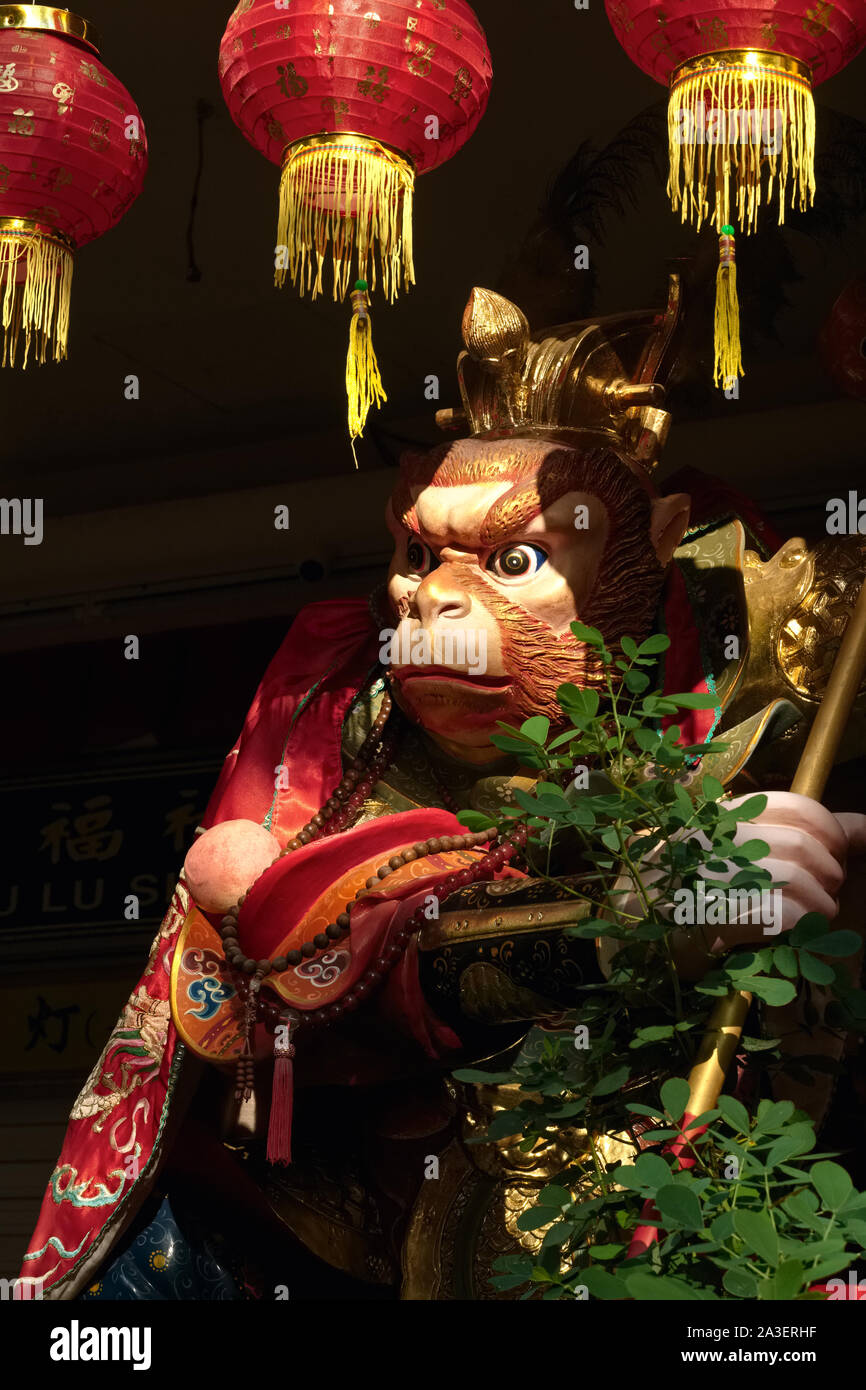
column 241, row 384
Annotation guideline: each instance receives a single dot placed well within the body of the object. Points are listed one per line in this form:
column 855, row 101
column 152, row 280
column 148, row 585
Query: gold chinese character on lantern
column 21, row 123
column 99, row 135
column 63, row 94
column 290, row 83
column 368, row 86
column 817, row 19
column 462, row 85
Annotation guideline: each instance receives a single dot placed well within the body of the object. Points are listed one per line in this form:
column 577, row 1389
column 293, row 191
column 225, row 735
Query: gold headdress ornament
column 604, row 376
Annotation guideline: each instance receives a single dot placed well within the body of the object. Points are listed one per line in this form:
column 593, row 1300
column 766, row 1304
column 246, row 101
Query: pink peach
column 226, row 860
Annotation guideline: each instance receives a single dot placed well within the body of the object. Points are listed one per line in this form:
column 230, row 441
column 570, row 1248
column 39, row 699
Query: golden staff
column 725, row 1026
column 724, row 1029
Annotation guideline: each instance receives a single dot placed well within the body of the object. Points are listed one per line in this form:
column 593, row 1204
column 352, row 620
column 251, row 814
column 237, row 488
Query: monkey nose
column 439, row 596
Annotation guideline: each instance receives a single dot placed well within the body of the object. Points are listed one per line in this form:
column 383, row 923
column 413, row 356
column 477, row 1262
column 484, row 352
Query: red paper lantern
column 842, row 340
column 353, row 98
column 72, row 159
column 741, row 118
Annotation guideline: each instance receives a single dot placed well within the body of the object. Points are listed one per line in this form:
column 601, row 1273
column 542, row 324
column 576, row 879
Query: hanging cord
column 203, row 110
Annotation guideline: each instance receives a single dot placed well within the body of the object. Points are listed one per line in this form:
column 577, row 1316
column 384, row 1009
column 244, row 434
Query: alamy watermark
column 716, row 125
column 22, row 516
column 713, row 907
column 462, row 650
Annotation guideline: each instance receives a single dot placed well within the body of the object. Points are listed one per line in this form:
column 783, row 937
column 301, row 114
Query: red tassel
column 280, row 1125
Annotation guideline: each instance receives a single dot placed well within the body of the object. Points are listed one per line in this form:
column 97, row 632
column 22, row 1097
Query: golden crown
column 605, row 376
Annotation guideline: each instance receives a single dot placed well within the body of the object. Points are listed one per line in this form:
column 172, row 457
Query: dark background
column 159, row 512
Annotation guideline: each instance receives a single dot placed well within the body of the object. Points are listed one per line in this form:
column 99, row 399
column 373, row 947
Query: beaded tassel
column 363, row 378
column 728, row 360
column 282, row 1093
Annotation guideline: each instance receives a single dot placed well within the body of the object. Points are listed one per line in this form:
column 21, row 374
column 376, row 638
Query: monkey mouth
column 432, row 676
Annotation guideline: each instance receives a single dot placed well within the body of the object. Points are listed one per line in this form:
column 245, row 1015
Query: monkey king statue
column 276, row 1098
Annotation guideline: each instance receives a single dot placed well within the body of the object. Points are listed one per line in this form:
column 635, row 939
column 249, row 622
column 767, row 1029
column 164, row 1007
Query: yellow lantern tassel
column 349, row 198
column 363, row 378
column 728, row 363
column 35, row 286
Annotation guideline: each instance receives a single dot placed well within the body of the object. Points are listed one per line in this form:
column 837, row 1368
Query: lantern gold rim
column 26, row 226
column 758, row 59
column 348, row 139
column 46, row 17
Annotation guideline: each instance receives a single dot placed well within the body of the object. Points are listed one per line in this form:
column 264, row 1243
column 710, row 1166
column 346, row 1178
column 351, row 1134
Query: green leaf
column 752, row 807
column 723, row 1227
column 648, row 1171
column 645, row 1287
column 785, row 1284
column 557, row 1235
column 476, row 820
column 752, row 850
column 675, row 1096
column 653, row 646
column 635, row 682
column 537, row 1217
column 785, row 961
column 537, row 728
column 831, row 1265
column 740, row 1283
column 809, row 928
column 735, row 1113
column 832, row 1184
column 679, row 1206
column 799, row 1139
column 836, row 943
column 656, row 1033
column 554, row 1196
column 646, row 739
column 802, row 1206
column 756, row 1230
column 612, row 1082
column 773, row 1115
column 601, row 1283
column 630, row 647
column 690, row 701
column 571, row 697
column 712, row 789
column 507, row 743
column 590, row 635
column 487, row 1078
column 759, row 1044
column 774, row 992
column 818, row 971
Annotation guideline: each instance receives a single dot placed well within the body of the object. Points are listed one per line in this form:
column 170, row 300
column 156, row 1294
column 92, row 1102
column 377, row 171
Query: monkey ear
column 670, row 517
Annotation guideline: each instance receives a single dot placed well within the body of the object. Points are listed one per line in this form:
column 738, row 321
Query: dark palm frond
column 594, row 185
column 840, row 175
column 597, row 183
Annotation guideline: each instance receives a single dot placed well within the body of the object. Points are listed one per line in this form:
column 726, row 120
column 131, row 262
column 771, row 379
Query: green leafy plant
column 744, row 1206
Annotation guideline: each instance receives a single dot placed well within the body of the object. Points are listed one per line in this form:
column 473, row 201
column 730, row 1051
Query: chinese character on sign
column 91, row 836
column 8, row 80
column 44, row 1014
column 181, row 821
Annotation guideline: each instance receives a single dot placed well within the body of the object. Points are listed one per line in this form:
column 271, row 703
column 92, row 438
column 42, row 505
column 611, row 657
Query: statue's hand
column 808, row 848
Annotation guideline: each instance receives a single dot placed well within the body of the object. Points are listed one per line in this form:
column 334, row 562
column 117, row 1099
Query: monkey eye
column 517, row 561
column 419, row 557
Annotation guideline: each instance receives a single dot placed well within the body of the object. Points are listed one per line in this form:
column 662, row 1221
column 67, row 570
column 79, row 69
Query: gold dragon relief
column 799, row 603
